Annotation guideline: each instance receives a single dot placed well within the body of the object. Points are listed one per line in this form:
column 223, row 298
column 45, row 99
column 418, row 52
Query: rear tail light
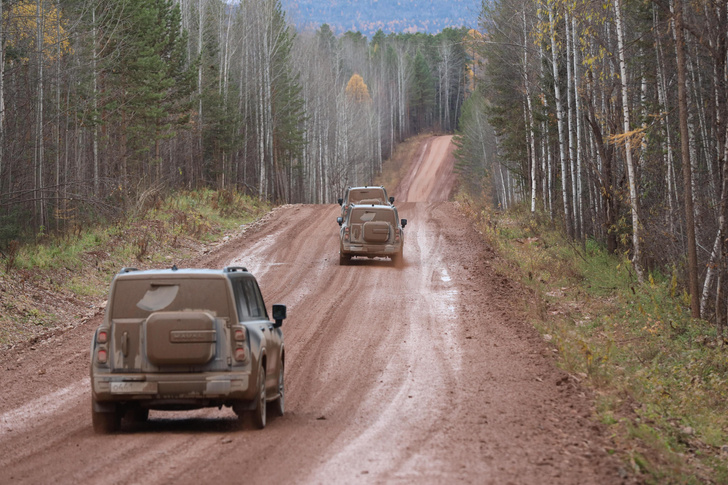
column 346, row 234
column 101, row 356
column 239, row 335
column 102, row 337
column 240, row 354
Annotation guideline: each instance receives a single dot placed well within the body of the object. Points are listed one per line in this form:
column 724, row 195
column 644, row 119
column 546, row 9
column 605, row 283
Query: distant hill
column 368, row 16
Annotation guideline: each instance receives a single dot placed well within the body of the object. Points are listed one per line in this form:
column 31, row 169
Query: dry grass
column 62, row 282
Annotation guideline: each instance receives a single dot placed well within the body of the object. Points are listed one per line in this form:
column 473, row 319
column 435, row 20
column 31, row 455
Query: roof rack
column 233, row 269
column 127, row 270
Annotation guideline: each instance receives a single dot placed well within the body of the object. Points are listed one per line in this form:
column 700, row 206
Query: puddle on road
column 445, row 276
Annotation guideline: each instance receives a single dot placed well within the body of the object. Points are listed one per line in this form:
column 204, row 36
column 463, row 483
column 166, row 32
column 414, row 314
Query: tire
column 278, row 405
column 398, row 259
column 105, row 423
column 259, row 413
column 344, row 259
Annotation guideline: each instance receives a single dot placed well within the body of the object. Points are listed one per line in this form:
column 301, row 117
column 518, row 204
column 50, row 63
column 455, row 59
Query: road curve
column 419, row 374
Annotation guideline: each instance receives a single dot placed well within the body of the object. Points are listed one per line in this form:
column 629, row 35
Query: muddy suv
column 364, row 195
column 371, row 231
column 180, row 339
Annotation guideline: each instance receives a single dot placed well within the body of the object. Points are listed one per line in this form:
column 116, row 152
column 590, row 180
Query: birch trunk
column 529, row 119
column 560, row 123
column 570, row 122
column 578, row 205
column 633, row 197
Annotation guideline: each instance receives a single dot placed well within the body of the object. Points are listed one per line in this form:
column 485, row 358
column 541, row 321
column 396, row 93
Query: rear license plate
column 134, row 387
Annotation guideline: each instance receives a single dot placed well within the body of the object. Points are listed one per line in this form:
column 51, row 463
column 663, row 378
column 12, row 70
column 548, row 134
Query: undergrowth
column 660, row 378
column 51, row 283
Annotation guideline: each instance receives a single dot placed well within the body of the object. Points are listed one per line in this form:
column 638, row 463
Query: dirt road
column 420, row 374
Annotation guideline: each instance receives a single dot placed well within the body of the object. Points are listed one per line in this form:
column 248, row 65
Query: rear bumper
column 207, row 389
column 350, row 249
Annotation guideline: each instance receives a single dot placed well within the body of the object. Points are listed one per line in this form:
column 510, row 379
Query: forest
column 105, row 105
column 610, row 119
column 606, row 118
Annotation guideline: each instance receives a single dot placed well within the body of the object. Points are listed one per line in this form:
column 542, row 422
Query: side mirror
column 340, row 220
column 341, row 201
column 391, row 200
column 279, row 314
column 404, row 223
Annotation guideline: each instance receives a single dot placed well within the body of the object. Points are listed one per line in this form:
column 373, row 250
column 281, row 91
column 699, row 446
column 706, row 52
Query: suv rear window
column 359, row 216
column 358, row 195
column 139, row 298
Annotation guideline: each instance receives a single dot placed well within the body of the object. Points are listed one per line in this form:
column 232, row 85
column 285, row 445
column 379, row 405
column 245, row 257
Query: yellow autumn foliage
column 21, row 32
column 357, row 90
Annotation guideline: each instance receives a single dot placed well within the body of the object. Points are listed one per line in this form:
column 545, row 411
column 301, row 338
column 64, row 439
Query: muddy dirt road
column 420, row 374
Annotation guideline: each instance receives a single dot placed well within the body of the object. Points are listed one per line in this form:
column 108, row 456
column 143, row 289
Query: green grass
column 656, row 372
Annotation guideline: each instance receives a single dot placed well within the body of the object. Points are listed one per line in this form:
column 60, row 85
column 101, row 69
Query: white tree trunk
column 570, row 123
column 560, row 122
column 634, row 200
column 578, row 206
column 530, row 134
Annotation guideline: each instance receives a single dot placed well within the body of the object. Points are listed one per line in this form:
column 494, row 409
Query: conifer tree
column 422, row 93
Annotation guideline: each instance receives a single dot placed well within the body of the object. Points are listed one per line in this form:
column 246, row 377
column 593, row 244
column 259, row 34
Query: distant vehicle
column 375, row 194
column 371, row 231
column 180, row 339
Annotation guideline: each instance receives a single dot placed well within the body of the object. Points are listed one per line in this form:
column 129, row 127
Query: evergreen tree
column 151, row 80
column 422, row 94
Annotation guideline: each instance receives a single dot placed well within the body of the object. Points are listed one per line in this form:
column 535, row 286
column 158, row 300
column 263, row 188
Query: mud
column 421, row 374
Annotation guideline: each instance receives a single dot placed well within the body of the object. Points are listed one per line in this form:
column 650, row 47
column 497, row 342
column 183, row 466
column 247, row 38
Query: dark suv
column 179, row 339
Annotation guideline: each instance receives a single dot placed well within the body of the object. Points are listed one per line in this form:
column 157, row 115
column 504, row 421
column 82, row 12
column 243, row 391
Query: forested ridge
column 369, row 16
column 107, row 103
column 610, row 119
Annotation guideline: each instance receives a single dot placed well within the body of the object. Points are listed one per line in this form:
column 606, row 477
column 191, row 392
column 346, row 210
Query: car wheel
column 259, row 411
column 278, row 406
column 344, row 259
column 397, row 259
column 105, row 423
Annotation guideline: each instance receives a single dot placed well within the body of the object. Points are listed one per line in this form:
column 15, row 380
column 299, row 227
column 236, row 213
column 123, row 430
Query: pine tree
column 150, row 80
column 422, row 94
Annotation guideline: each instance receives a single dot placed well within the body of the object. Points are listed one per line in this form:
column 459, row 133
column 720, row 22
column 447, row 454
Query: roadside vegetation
column 50, row 283
column 660, row 378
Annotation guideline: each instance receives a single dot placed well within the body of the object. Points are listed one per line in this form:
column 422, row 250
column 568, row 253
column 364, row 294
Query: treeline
column 368, row 16
column 106, row 103
column 611, row 118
